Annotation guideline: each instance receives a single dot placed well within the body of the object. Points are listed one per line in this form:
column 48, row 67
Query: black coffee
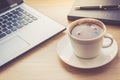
column 86, row 30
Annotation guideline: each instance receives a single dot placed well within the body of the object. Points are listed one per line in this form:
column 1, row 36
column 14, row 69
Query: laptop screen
column 5, row 4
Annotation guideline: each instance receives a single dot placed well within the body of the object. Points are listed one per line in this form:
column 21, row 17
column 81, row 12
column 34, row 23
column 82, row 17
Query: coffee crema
column 86, row 30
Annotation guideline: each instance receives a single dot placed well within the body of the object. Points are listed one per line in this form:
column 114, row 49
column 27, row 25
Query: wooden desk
column 43, row 63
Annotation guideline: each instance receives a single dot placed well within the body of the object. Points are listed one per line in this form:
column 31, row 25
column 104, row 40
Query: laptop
column 22, row 28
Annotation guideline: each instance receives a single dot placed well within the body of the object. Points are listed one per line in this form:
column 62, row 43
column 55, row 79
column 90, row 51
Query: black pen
column 100, row 7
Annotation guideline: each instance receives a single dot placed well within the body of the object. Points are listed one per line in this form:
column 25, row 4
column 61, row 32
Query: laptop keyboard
column 14, row 20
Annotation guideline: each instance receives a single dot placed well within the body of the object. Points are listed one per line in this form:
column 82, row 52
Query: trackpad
column 10, row 49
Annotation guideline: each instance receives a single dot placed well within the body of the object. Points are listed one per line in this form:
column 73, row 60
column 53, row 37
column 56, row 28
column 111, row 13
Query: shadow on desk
column 93, row 71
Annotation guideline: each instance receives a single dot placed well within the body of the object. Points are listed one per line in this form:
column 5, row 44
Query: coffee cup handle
column 108, row 36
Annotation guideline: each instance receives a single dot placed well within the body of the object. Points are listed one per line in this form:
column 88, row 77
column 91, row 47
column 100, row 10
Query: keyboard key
column 30, row 21
column 14, row 12
column 25, row 12
column 14, row 16
column 4, row 30
column 25, row 22
column 34, row 18
column 19, row 26
column 19, row 14
column 9, row 27
column 2, row 35
column 20, row 9
column 4, row 16
column 3, row 26
column 13, row 20
column 13, row 29
column 5, row 21
column 9, row 19
column 10, row 14
column 31, row 16
column 8, row 23
column 8, row 31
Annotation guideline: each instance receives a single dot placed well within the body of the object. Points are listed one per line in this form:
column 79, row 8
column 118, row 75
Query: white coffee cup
column 88, row 48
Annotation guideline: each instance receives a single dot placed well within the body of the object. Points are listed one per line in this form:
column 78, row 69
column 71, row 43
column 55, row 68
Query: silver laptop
column 22, row 28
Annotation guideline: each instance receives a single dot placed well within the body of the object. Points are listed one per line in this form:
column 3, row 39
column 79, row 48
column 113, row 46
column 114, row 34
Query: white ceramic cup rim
column 84, row 20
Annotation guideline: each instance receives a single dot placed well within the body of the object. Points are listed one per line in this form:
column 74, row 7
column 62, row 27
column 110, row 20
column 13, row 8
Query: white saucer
column 65, row 52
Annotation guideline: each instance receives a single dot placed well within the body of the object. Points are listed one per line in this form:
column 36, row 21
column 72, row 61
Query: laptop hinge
column 13, row 5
